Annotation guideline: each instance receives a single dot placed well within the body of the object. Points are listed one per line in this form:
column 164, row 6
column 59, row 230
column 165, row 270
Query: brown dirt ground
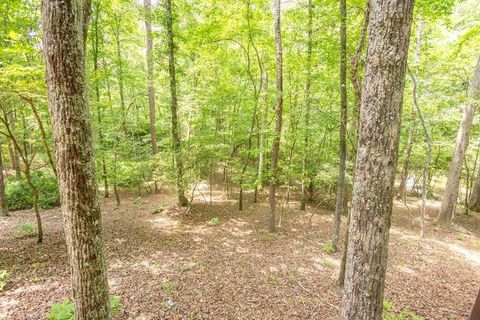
column 237, row 270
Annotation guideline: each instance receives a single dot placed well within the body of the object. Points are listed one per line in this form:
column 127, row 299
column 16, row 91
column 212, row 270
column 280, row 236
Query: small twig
column 317, row 296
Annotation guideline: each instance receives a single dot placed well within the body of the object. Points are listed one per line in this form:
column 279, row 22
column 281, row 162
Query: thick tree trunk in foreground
column 475, row 314
column 380, row 114
column 64, row 32
column 182, row 201
column 151, row 92
column 278, row 116
column 450, row 194
column 340, row 201
column 3, row 200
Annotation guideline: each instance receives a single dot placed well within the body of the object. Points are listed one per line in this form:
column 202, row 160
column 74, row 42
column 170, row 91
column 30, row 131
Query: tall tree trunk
column 65, row 25
column 380, row 114
column 450, row 194
column 340, row 201
column 182, row 200
column 278, row 116
column 356, row 78
column 474, row 200
column 96, row 50
column 308, row 98
column 151, row 92
column 119, row 62
column 3, row 200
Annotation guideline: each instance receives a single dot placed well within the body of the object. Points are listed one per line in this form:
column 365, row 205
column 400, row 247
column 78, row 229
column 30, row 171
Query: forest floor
column 177, row 265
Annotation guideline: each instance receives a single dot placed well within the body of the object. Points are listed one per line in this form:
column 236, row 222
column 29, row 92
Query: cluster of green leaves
column 225, row 63
column 19, row 195
column 66, row 309
column 3, row 279
column 390, row 314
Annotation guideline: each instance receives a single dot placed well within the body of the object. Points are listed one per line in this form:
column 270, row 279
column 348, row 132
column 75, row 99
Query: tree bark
column 3, row 200
column 380, row 114
column 96, row 50
column 182, row 200
column 65, row 25
column 450, row 194
column 475, row 314
column 308, row 85
column 151, row 92
column 278, row 116
column 341, row 185
column 474, row 200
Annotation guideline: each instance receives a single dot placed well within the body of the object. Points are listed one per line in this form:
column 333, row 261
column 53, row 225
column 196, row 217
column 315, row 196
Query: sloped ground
column 173, row 265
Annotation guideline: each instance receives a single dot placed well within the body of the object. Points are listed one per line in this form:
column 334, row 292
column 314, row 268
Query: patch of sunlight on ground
column 164, row 222
column 405, row 269
column 469, row 255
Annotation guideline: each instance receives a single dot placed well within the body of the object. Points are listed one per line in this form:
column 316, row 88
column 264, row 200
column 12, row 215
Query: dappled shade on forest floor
column 214, row 262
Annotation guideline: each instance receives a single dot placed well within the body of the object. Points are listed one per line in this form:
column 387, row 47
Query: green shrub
column 19, row 195
column 405, row 314
column 213, row 222
column 3, row 279
column 25, row 230
column 169, row 287
column 66, row 309
column 328, row 247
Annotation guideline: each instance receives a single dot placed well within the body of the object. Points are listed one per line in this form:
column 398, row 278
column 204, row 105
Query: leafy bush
column 25, row 230
column 213, row 222
column 405, row 314
column 19, row 194
column 328, row 247
column 3, row 279
column 66, row 309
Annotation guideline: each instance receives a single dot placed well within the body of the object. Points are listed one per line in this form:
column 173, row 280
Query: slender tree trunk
column 151, row 92
column 65, row 27
column 182, row 200
column 278, row 116
column 119, row 62
column 43, row 135
column 96, row 49
column 450, row 194
column 340, row 201
column 402, row 187
column 474, row 200
column 380, row 114
column 308, row 98
column 36, row 210
column 3, row 200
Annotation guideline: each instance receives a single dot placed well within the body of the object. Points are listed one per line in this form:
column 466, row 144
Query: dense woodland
column 202, row 113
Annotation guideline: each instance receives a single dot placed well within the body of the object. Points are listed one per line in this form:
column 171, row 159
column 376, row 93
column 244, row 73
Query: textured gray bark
column 278, row 117
column 147, row 4
column 341, row 184
column 181, row 199
column 450, row 194
column 380, row 114
column 65, row 26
